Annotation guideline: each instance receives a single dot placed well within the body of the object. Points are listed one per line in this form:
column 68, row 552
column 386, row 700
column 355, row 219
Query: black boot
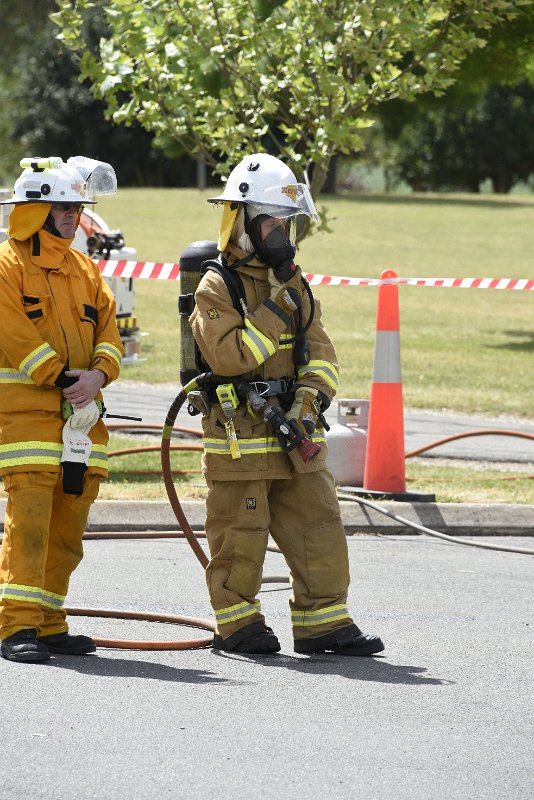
column 349, row 641
column 254, row 639
column 24, row 646
column 67, row 645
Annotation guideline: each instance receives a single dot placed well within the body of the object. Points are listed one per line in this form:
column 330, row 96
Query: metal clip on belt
column 272, row 388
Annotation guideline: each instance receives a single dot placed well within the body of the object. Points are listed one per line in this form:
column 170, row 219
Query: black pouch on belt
column 73, row 477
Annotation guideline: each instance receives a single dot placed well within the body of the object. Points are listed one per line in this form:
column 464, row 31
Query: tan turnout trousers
column 302, row 515
column 42, row 546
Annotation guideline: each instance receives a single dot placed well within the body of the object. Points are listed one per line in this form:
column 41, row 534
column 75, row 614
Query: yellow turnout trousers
column 42, row 546
column 302, row 515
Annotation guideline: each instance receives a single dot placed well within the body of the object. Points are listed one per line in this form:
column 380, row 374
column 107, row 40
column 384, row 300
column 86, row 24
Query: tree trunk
column 330, row 184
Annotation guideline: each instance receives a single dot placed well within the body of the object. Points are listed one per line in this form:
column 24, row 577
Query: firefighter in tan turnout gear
column 59, row 346
column 271, row 353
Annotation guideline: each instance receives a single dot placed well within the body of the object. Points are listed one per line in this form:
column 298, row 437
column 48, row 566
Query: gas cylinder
column 347, row 439
column 191, row 261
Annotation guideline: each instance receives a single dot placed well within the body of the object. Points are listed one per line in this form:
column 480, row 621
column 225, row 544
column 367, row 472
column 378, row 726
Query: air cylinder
column 347, row 439
column 191, row 261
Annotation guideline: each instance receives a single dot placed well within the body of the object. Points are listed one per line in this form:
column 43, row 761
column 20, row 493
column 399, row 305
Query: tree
column 300, row 78
column 13, row 39
column 45, row 109
column 480, row 128
column 458, row 147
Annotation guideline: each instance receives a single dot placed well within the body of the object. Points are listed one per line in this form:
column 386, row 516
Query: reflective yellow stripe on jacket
column 284, row 344
column 108, row 349
column 30, row 594
column 260, row 345
column 36, row 358
column 19, row 454
column 8, row 375
column 323, row 369
column 247, row 447
column 320, row 617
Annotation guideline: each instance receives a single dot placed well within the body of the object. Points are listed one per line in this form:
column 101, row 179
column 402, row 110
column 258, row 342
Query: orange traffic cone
column 384, row 471
column 384, row 461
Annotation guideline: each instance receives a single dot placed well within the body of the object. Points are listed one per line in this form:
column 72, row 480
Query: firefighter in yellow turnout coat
column 59, row 342
column 266, row 489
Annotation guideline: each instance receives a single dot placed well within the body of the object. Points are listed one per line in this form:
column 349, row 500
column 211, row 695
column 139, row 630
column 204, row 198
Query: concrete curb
column 455, row 519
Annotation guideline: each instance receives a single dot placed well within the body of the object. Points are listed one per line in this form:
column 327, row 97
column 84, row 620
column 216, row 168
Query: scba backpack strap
column 232, row 281
column 191, row 361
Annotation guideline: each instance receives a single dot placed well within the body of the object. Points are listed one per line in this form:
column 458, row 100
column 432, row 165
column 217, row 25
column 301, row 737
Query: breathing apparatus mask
column 271, row 230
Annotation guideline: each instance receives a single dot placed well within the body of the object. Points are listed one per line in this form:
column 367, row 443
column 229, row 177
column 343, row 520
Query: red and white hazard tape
column 159, row 270
column 168, row 271
column 454, row 283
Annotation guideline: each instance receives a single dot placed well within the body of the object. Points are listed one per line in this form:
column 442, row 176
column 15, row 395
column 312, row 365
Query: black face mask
column 276, row 250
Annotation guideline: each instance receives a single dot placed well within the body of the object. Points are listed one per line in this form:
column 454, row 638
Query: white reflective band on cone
column 387, row 367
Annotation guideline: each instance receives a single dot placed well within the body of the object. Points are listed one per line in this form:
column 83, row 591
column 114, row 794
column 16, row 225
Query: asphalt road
column 446, row 713
column 420, row 427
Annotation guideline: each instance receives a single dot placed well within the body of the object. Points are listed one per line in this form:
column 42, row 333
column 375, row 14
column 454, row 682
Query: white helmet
column 265, row 183
column 50, row 180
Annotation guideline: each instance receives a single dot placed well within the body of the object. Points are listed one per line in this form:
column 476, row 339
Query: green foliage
column 20, row 31
column 507, row 59
column 47, row 110
column 299, row 78
column 458, row 147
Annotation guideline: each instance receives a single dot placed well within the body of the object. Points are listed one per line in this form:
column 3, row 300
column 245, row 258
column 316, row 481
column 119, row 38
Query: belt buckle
column 262, row 392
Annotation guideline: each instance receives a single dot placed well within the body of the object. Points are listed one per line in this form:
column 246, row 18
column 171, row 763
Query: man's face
column 65, row 216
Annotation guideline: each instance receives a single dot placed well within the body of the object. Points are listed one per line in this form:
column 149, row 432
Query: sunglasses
column 68, row 206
